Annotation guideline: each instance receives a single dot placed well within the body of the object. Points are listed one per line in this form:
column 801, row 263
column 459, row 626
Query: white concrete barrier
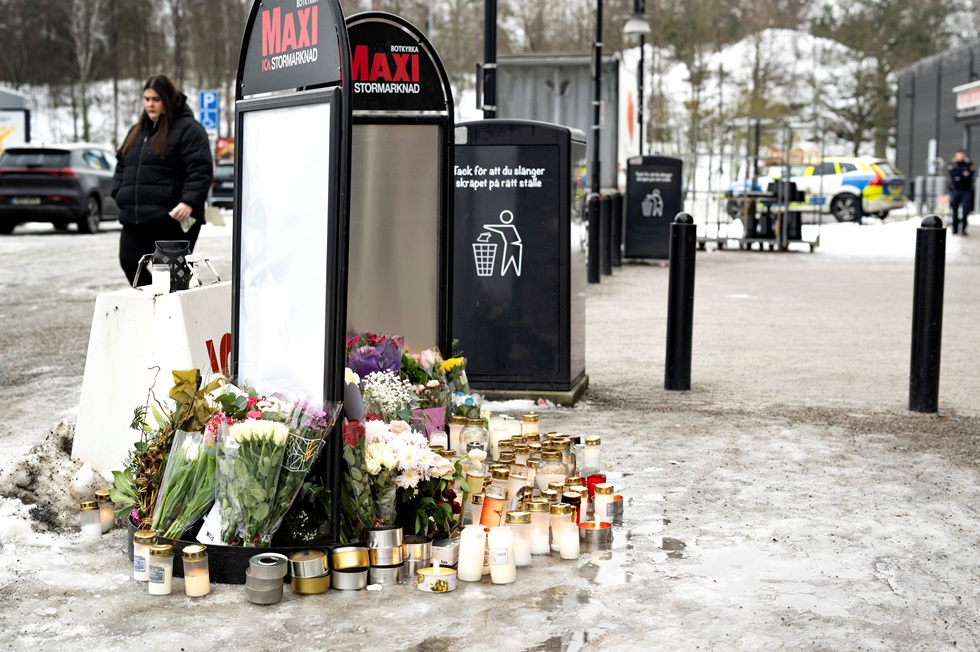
column 133, row 332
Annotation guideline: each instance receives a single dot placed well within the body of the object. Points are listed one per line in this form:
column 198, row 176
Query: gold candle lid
column 534, row 446
column 561, row 509
column 532, row 437
column 102, row 496
column 88, row 505
column 518, row 517
column 522, row 449
column 457, row 420
column 500, row 474
column 574, row 481
column 507, row 457
column 550, row 455
column 604, row 488
column 530, row 417
column 162, row 550
column 505, row 443
column 593, row 440
column 550, row 495
column 475, row 421
column 538, row 505
column 194, row 551
column 531, row 463
column 145, row 536
column 518, row 440
column 557, row 486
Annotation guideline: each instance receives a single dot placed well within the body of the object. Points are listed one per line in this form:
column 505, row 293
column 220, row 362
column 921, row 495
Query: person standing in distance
column 162, row 176
column 959, row 176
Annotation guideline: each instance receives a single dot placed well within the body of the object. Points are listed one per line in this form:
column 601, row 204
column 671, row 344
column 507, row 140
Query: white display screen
column 284, row 259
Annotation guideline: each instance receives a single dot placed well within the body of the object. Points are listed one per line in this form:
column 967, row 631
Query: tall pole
column 597, row 100
column 490, row 59
column 639, row 92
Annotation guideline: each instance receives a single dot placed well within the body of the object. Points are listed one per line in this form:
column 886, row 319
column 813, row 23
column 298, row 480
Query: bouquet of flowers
column 308, row 426
column 383, row 461
column 371, row 353
column 249, row 461
column 187, row 490
column 135, row 488
column 387, row 394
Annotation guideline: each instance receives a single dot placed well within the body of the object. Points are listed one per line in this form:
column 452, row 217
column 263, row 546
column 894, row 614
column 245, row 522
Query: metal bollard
column 680, row 302
column 593, row 250
column 605, row 235
column 617, row 230
column 927, row 314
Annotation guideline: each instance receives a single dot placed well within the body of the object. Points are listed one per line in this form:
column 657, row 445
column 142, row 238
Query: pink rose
column 442, row 466
column 254, row 414
column 399, row 427
column 252, row 400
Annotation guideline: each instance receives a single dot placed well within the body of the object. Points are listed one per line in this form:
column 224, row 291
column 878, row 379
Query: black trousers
column 960, row 202
column 138, row 240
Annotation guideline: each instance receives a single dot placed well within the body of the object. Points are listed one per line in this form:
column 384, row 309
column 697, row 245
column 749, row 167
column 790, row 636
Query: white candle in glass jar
column 592, row 452
column 540, row 527
column 503, row 566
column 161, row 569
column 568, row 543
column 472, row 551
column 603, row 505
column 498, row 431
column 520, row 523
column 439, row 438
column 544, row 479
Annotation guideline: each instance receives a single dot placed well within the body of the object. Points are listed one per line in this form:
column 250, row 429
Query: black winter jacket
column 960, row 175
column 147, row 187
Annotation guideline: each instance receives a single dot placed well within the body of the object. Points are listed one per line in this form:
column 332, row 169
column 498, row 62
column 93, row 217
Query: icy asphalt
column 789, row 501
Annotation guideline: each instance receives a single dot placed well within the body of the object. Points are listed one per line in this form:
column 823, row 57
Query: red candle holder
column 592, row 481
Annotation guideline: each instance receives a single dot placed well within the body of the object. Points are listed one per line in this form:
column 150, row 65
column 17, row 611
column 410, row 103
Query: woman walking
column 162, row 176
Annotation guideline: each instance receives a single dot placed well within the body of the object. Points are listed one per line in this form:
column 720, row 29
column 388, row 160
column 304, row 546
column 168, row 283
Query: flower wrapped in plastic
column 249, row 461
column 386, row 394
column 372, row 353
column 187, row 489
column 309, row 426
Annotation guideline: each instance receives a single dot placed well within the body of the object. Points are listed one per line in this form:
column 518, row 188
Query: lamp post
column 638, row 26
column 490, row 59
column 597, row 100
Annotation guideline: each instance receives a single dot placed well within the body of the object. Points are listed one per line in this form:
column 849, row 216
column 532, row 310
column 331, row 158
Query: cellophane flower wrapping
column 372, row 353
column 249, row 462
column 309, row 426
column 187, row 489
column 357, row 507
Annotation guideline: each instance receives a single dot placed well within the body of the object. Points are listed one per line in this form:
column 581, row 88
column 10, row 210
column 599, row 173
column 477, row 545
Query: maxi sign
column 288, row 53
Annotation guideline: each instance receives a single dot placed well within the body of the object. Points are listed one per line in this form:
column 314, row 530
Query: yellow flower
column 450, row 364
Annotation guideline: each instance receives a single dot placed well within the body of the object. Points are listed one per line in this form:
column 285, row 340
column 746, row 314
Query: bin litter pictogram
column 485, row 255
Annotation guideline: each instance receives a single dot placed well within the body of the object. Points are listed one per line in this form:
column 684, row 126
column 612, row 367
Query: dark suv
column 222, row 192
column 58, row 184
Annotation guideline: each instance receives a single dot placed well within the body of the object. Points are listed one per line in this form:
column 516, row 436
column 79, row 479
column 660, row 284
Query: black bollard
column 593, row 250
column 680, row 302
column 617, row 230
column 927, row 315
column 605, row 235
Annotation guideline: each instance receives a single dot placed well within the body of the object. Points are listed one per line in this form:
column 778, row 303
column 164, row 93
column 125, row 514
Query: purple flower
column 386, row 356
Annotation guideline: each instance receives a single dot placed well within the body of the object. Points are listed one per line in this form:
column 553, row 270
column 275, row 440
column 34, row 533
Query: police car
column 846, row 187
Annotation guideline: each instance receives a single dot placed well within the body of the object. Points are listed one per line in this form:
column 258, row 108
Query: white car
column 846, row 187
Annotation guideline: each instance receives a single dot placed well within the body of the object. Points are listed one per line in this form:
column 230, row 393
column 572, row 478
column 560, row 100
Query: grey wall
column 559, row 89
column 927, row 109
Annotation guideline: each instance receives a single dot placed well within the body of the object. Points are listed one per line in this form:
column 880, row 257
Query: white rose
column 477, row 454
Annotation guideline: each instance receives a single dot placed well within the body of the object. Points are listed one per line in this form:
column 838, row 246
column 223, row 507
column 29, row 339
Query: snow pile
column 50, row 482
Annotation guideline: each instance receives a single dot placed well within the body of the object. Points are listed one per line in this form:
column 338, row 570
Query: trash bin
column 518, row 265
column 653, row 199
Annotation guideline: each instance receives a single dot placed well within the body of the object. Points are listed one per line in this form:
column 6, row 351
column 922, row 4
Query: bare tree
column 86, row 27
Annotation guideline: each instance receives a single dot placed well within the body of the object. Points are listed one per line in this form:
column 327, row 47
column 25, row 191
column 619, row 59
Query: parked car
column 222, row 192
column 846, row 187
column 60, row 184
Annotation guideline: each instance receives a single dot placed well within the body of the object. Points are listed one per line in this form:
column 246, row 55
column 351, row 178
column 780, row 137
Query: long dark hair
column 168, row 93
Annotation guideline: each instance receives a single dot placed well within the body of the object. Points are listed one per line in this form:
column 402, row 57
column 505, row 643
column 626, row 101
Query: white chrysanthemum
column 376, row 431
column 408, row 479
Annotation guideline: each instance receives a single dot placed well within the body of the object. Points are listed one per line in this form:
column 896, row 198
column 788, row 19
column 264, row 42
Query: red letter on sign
column 304, row 34
column 379, row 68
column 289, row 33
column 401, row 67
column 359, row 66
column 270, row 32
